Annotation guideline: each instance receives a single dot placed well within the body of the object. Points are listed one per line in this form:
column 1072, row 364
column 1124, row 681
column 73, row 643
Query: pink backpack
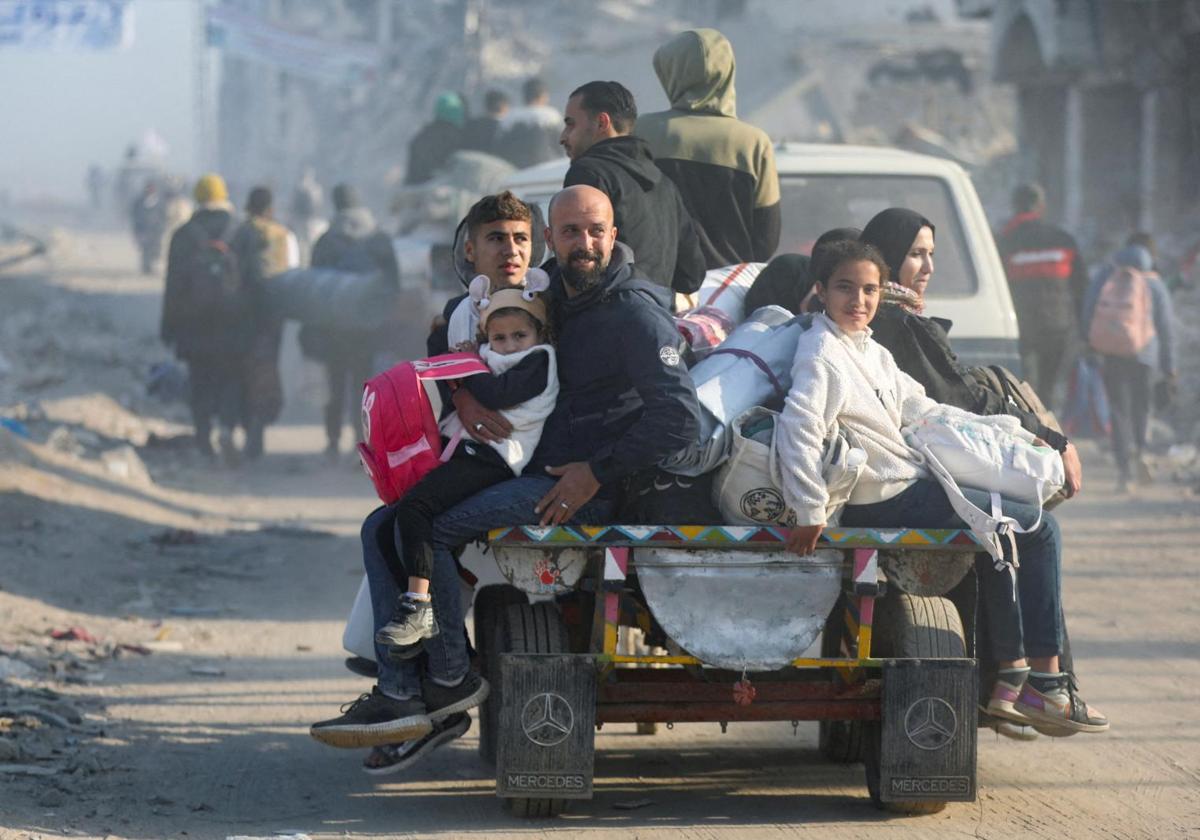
column 1123, row 321
column 401, row 441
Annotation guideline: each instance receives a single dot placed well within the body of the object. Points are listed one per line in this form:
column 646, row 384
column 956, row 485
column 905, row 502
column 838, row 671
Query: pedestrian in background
column 437, row 140
column 1127, row 320
column 206, row 315
column 483, row 133
column 353, row 243
column 264, row 248
column 1047, row 279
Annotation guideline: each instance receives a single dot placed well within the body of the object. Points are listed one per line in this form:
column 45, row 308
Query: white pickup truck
column 827, row 186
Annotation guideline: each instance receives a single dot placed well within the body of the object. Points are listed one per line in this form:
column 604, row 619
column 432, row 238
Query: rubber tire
column 840, row 741
column 529, row 628
column 909, row 627
column 490, row 602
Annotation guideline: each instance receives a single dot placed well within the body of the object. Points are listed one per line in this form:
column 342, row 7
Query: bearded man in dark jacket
column 625, row 403
column 648, row 210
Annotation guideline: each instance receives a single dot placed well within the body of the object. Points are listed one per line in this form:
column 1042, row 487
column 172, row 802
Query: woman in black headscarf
column 787, row 280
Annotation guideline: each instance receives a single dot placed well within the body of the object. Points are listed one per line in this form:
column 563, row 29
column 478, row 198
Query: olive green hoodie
column 723, row 167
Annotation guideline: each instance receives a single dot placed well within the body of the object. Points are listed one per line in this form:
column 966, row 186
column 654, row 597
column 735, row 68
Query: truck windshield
column 813, row 204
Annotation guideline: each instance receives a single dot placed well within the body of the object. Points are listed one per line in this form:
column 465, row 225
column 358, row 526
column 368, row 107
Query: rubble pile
column 50, row 735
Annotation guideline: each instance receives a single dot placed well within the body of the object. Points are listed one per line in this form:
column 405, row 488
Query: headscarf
column 893, row 231
column 783, row 282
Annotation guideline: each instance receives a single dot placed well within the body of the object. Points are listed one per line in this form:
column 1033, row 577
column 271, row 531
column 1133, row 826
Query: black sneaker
column 374, row 719
column 362, row 666
column 392, row 758
column 443, row 701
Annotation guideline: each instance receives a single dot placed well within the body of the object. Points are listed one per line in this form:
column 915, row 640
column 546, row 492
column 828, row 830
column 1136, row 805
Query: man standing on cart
column 626, row 402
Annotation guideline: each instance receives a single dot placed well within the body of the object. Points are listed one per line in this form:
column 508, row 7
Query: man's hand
column 575, row 488
column 1073, row 471
column 483, row 424
column 803, row 540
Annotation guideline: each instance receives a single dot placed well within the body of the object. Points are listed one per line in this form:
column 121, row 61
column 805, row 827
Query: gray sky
column 64, row 110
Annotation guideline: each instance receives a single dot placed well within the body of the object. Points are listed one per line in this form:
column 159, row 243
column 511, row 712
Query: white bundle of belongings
column 724, row 289
column 1007, row 463
column 751, row 367
column 748, row 488
column 327, row 297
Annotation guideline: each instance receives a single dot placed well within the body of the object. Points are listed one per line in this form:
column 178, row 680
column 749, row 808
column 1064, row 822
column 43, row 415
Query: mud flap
column 930, row 719
column 547, row 726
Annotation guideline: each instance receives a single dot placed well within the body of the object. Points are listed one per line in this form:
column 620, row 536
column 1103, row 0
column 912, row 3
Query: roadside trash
column 14, row 669
column 162, row 646
column 632, row 804
column 15, row 426
column 74, row 634
column 1182, row 454
column 175, row 536
column 167, row 381
column 195, row 612
column 28, row 770
column 61, row 440
column 206, row 671
column 124, row 463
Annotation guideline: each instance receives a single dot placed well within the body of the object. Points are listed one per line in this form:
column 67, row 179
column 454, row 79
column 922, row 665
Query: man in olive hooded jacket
column 723, row 167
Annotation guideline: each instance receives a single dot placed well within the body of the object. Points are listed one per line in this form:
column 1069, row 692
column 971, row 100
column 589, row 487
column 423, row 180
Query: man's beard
column 583, row 279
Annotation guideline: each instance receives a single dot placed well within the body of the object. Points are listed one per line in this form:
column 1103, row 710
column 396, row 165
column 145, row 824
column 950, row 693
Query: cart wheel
column 490, row 602
column 840, row 741
column 526, row 628
column 909, row 627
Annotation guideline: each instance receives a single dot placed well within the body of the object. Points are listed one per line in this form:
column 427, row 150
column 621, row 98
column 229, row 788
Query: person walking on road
column 149, row 220
column 264, row 248
column 598, row 127
column 353, row 243
column 724, row 168
column 206, row 314
column 1047, row 279
column 1127, row 321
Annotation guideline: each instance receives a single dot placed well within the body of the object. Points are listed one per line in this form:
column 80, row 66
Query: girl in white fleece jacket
column 841, row 375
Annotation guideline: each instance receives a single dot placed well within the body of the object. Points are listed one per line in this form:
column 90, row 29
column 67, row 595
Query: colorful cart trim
column 728, row 536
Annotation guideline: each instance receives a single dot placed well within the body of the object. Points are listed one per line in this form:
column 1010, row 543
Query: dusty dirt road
column 228, row 590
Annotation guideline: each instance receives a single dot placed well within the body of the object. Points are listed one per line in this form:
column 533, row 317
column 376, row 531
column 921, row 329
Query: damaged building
column 1109, row 108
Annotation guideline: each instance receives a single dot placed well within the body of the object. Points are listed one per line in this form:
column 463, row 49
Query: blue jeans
column 508, row 503
column 1032, row 623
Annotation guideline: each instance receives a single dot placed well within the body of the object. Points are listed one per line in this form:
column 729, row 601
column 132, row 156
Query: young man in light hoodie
column 841, row 375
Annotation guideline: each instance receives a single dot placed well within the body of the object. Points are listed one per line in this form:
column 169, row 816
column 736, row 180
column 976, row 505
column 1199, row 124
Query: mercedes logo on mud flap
column 930, row 723
column 547, row 719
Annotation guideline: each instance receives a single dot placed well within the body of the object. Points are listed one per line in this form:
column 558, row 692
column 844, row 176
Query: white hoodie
column 854, row 380
column 527, row 418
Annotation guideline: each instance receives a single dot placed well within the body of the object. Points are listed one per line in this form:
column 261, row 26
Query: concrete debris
column 15, row 669
column 62, row 440
column 28, row 770
column 125, row 464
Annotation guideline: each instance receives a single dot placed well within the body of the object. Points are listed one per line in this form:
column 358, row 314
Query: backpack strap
column 758, row 362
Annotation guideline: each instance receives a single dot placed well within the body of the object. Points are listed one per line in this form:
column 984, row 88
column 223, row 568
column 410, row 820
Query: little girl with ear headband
column 464, row 321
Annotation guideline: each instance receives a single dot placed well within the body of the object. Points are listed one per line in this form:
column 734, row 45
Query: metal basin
column 749, row 610
column 541, row 570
